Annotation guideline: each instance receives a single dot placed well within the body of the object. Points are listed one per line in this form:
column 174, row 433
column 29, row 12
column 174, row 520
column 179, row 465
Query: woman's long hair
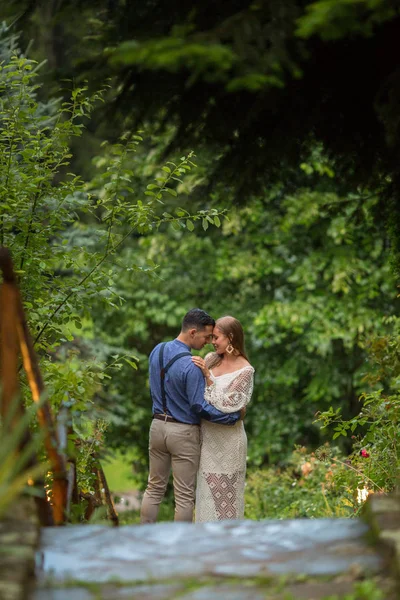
column 233, row 330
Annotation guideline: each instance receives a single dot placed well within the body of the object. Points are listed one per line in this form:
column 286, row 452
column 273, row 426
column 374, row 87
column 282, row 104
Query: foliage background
column 291, row 111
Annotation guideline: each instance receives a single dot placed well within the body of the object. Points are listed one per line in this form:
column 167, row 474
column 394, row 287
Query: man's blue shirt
column 184, row 388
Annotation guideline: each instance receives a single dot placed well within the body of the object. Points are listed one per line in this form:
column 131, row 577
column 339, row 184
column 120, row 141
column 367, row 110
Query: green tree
column 304, row 267
column 64, row 233
column 260, row 82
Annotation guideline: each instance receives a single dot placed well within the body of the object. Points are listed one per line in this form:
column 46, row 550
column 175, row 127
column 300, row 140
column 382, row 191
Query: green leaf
column 131, row 363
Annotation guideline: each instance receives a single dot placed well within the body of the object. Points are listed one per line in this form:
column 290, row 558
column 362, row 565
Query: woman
column 229, row 385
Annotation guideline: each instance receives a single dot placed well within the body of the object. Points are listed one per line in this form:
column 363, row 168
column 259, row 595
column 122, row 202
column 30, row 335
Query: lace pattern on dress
column 224, row 491
column 234, row 393
column 221, row 476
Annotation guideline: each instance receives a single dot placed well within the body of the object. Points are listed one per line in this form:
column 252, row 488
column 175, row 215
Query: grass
column 132, row 517
column 276, row 587
column 118, row 472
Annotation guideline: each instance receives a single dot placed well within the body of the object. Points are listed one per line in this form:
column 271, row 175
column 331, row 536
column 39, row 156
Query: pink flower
column 364, row 453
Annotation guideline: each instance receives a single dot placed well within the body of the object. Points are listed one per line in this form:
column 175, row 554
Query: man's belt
column 168, row 419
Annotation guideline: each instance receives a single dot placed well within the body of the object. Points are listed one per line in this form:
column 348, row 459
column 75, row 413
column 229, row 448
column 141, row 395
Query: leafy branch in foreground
column 16, row 466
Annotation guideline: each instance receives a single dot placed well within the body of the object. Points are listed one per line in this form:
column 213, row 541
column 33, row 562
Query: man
column 177, row 390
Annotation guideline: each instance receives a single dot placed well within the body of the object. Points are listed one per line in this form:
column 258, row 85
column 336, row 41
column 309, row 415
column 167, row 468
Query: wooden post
column 112, row 514
column 31, row 365
column 8, row 349
column 10, row 383
column 63, row 430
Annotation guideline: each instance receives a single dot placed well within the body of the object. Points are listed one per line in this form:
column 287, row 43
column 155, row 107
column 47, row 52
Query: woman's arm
column 235, row 396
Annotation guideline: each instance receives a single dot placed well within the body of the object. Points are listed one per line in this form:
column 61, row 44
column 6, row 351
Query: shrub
column 304, row 487
column 375, row 459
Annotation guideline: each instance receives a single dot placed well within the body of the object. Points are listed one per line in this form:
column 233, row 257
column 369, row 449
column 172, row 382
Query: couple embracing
column 197, row 428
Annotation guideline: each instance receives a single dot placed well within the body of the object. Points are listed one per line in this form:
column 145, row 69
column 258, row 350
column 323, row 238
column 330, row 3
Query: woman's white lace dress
column 222, row 470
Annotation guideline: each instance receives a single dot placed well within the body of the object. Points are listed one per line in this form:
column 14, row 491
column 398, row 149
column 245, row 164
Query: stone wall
column 19, row 539
column 20, row 531
column 382, row 514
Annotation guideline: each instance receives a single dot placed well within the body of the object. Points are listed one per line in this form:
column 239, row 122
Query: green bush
column 304, row 487
column 324, row 483
column 375, row 459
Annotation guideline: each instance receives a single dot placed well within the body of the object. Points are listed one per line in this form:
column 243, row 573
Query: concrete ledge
column 19, row 539
column 382, row 513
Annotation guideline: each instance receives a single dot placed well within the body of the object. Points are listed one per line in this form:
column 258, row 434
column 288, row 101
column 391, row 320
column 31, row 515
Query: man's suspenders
column 164, row 371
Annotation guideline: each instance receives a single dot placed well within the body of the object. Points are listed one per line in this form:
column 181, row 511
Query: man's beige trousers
column 175, row 445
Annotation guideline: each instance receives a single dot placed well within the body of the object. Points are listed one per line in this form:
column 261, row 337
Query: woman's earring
column 229, row 348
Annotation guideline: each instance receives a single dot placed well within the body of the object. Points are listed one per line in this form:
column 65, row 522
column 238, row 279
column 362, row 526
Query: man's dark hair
column 197, row 318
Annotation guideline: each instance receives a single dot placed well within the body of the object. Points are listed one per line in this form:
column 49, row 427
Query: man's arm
column 195, row 393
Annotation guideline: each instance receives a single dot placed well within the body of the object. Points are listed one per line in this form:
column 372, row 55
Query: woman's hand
column 200, row 362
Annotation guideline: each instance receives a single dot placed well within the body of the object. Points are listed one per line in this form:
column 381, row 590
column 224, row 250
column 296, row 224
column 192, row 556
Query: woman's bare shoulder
column 245, row 363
